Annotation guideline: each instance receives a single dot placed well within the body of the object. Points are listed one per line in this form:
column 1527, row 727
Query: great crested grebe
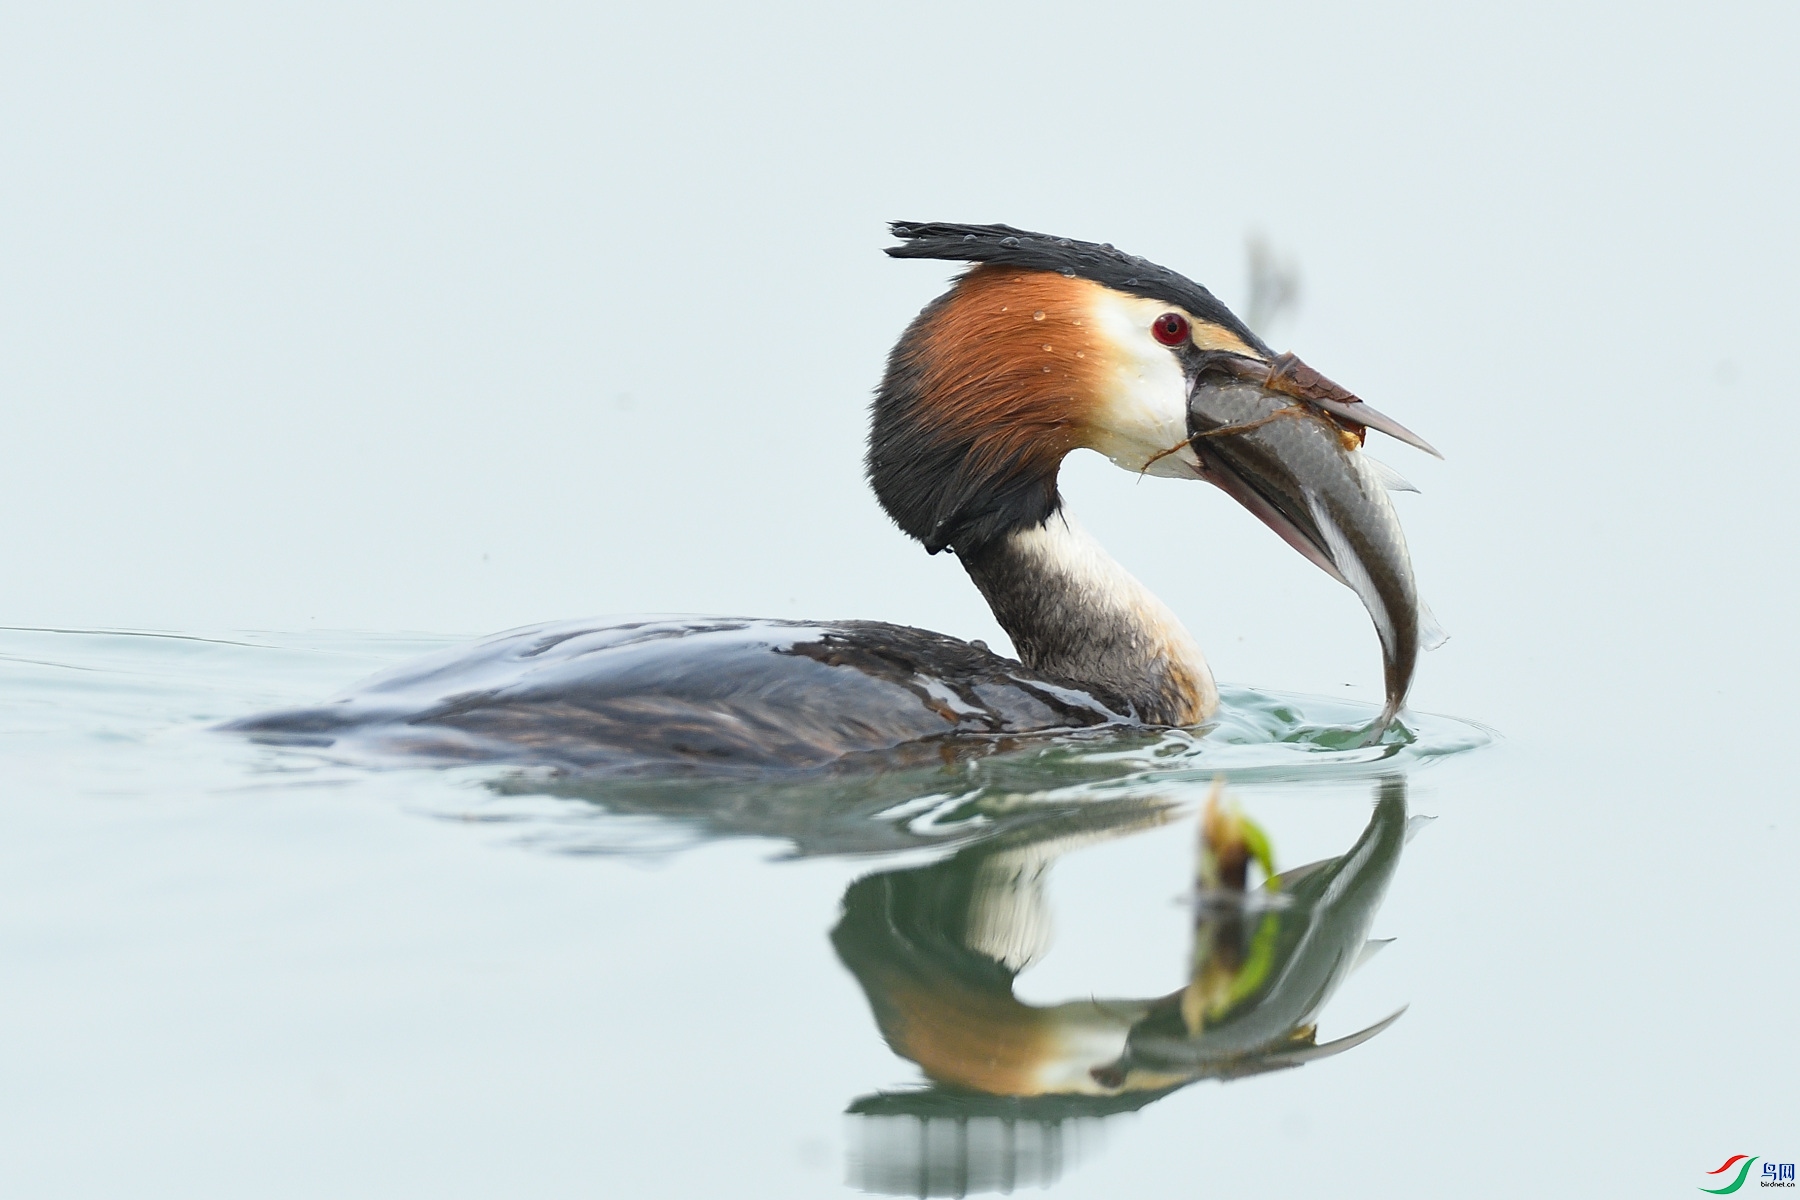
column 1045, row 345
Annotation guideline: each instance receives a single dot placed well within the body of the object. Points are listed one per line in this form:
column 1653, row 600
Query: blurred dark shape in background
column 1274, row 292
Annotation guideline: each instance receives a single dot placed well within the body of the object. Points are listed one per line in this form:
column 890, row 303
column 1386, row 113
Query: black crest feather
column 1098, row 262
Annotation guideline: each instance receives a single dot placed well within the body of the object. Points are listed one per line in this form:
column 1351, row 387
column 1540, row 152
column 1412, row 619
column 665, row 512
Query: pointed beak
column 1286, row 443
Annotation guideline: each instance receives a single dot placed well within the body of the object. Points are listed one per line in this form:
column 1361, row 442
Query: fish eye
column 1171, row 329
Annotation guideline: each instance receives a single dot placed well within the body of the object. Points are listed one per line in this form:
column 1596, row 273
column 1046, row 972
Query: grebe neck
column 1073, row 612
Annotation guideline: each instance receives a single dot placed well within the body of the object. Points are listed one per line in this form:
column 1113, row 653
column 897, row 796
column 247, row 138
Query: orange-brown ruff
column 1011, row 365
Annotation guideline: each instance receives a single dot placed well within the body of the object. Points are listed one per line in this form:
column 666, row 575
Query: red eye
column 1171, row 329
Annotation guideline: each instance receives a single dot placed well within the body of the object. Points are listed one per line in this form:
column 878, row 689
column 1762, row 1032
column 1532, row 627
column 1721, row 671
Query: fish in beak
column 1286, row 443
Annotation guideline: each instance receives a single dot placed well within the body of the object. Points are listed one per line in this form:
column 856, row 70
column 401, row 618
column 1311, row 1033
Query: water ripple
column 136, row 708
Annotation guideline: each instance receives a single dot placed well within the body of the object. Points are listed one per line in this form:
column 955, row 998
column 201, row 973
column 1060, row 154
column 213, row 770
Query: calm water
column 391, row 317
column 242, row 971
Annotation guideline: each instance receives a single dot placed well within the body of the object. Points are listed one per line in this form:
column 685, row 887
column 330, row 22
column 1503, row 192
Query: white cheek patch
column 1140, row 420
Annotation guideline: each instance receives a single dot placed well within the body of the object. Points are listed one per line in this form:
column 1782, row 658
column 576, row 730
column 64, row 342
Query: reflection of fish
column 1296, row 957
column 936, row 950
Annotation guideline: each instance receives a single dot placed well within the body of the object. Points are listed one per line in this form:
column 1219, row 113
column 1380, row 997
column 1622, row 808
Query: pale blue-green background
column 450, row 319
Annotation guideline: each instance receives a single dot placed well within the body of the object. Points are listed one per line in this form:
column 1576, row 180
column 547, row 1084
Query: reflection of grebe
column 937, row 948
column 1044, row 346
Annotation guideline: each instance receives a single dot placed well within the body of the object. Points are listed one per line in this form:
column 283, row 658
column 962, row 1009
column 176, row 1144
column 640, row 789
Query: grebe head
column 1047, row 345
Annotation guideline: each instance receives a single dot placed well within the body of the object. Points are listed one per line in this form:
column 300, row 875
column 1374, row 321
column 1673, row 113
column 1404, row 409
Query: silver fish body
column 1305, row 476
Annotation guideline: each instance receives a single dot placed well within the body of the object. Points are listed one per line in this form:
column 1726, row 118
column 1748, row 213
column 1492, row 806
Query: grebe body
column 1045, row 345
column 649, row 693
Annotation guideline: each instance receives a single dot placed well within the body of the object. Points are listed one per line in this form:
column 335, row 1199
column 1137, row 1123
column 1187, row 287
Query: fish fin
column 1431, row 633
column 1370, row 949
column 1385, row 475
column 1415, row 823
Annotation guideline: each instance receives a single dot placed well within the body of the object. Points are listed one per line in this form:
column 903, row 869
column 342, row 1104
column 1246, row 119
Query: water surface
column 261, row 941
